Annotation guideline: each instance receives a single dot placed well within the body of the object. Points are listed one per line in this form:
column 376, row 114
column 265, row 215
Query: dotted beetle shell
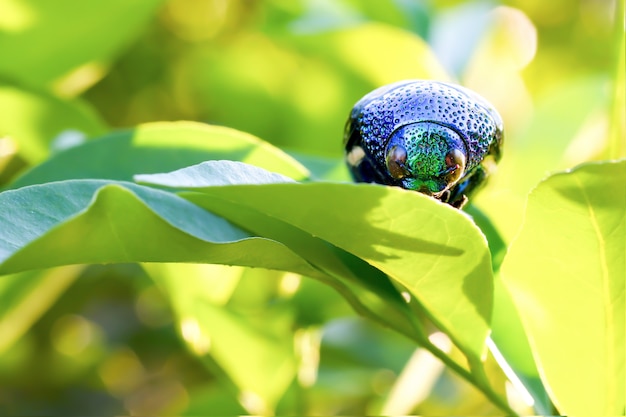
column 433, row 137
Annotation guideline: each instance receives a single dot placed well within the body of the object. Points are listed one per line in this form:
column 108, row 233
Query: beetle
column 433, row 137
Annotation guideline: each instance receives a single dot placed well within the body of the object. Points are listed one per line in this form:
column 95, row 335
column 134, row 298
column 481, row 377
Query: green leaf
column 84, row 221
column 497, row 246
column 506, row 327
column 566, row 272
column 27, row 296
column 260, row 365
column 41, row 41
column 425, row 247
column 322, row 168
column 507, row 332
column 540, row 149
column 360, row 49
column 33, row 119
column 258, row 362
column 211, row 172
column 617, row 139
column 433, row 250
column 160, row 147
column 380, row 297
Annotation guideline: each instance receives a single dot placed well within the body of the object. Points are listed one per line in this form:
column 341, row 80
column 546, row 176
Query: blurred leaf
column 96, row 221
column 297, row 90
column 322, row 15
column 212, row 399
column 266, row 373
column 539, row 149
column 41, row 41
column 351, row 343
column 316, row 16
column 213, row 283
column 566, row 274
column 322, row 168
column 259, row 363
column 497, row 246
column 455, row 32
column 377, row 53
column 410, row 15
column 617, row 143
column 159, row 147
column 33, row 119
column 360, row 362
column 559, row 114
column 26, row 297
column 427, row 247
column 508, row 43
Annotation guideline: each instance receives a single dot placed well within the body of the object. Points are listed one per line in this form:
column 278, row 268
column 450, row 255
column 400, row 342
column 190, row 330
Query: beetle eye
column 455, row 165
column 396, row 162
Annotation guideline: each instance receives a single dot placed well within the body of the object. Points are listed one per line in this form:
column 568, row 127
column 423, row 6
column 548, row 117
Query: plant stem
column 481, row 383
column 478, row 381
column 478, row 378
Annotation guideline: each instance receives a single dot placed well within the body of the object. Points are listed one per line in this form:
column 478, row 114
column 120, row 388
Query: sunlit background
column 108, row 340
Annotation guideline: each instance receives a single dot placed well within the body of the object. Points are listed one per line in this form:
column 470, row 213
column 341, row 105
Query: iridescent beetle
column 433, row 137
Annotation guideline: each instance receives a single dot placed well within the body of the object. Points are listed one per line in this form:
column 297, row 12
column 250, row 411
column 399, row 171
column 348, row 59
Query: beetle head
column 426, row 157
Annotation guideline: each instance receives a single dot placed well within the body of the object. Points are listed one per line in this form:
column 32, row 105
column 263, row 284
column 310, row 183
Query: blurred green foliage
column 113, row 339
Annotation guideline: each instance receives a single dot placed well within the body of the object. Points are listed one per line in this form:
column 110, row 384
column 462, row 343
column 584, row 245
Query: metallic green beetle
column 436, row 138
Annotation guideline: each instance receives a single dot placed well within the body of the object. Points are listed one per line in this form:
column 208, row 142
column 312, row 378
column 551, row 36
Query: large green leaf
column 85, row 221
column 433, row 250
column 346, row 269
column 262, row 375
column 41, row 41
column 159, row 147
column 33, row 119
column 566, row 272
column 342, row 234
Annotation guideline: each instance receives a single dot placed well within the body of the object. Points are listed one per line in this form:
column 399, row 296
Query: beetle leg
column 460, row 202
column 459, row 193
